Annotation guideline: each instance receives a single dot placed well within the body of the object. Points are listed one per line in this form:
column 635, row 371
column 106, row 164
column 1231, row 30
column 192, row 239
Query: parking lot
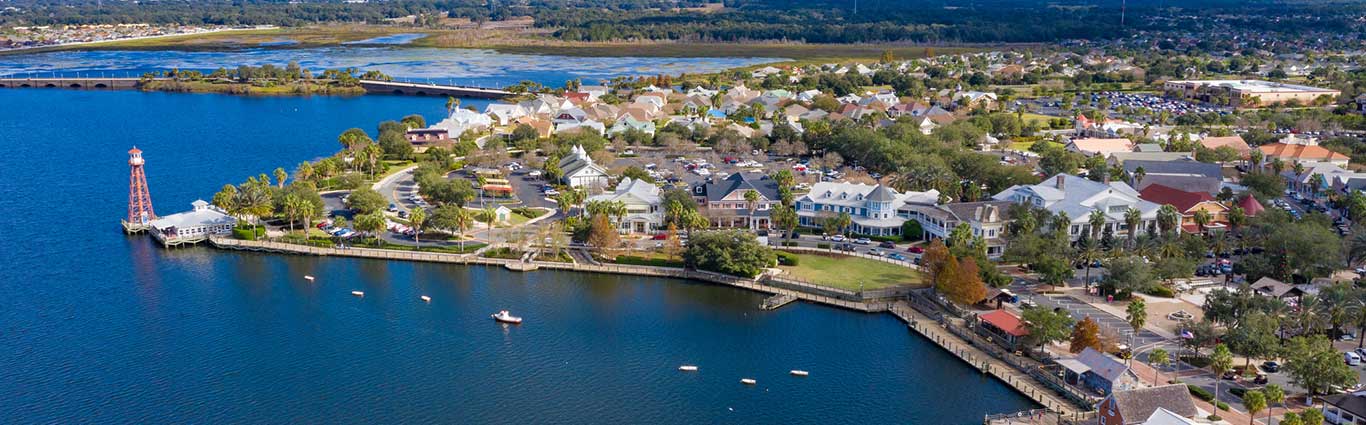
column 1080, row 309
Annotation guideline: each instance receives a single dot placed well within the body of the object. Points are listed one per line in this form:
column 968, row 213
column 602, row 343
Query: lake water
column 99, row 327
column 476, row 67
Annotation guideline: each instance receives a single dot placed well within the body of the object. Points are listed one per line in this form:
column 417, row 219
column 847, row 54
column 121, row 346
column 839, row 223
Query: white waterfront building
column 193, row 226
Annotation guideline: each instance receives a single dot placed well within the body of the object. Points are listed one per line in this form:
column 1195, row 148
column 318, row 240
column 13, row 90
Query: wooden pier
column 776, row 301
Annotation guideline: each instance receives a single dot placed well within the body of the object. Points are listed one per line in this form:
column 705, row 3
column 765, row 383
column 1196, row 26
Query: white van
column 1353, row 359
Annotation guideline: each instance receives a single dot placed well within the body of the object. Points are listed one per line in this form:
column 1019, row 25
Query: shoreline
column 97, row 43
column 962, row 349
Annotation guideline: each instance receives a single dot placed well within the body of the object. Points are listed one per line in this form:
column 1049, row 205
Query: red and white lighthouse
column 140, row 213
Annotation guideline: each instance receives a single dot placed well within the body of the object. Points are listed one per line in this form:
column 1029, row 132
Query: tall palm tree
column 462, row 220
column 1168, row 219
column 1316, row 183
column 1139, row 174
column 1132, row 218
column 751, row 203
column 372, row 155
column 416, row 219
column 451, row 104
column 1356, row 248
column 1202, row 219
column 1096, row 221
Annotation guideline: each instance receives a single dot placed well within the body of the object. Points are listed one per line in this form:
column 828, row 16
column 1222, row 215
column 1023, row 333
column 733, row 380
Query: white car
column 837, row 238
column 552, row 192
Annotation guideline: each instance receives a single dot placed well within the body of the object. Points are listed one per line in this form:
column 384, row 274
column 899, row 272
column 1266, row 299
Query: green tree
column 1311, row 416
column 371, row 223
column 451, row 217
column 1274, row 395
column 366, row 200
column 1126, row 275
column 732, row 252
column 601, row 233
column 1136, row 313
column 1254, row 336
column 416, row 219
column 1254, row 401
column 280, row 177
column 751, row 203
column 1220, row 361
column 353, row 138
column 1159, row 358
column 1046, row 326
column 1168, row 219
column 785, row 218
column 1313, row 364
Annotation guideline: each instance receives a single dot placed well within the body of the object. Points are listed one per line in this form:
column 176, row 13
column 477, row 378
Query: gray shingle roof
column 717, row 190
column 1137, row 405
column 1351, row 402
column 1185, row 167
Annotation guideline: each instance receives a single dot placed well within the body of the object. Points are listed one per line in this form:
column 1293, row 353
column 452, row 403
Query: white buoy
column 308, row 278
column 358, row 293
column 426, row 298
column 796, row 372
column 688, row 368
column 748, row 381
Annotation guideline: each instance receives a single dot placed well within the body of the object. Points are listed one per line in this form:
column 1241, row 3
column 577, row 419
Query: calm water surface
column 98, row 327
column 478, row 67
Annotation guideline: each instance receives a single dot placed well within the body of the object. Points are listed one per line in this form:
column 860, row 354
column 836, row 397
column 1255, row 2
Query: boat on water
column 505, row 317
column 358, row 293
column 308, row 278
column 688, row 368
column 426, row 298
column 796, row 372
column 748, row 381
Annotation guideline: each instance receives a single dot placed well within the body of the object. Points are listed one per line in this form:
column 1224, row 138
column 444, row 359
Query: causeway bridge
column 424, row 89
column 72, row 83
column 370, row 86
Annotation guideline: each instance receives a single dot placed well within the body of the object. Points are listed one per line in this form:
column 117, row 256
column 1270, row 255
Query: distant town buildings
column 1248, row 93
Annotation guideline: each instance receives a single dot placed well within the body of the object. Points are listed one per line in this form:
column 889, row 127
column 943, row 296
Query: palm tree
column 843, row 221
column 1132, row 218
column 372, row 155
column 462, row 219
column 1356, row 248
column 451, row 104
column 1202, row 219
column 416, row 219
column 1277, row 165
column 1096, row 222
column 1159, row 358
column 751, row 203
column 1168, row 219
column 1139, row 174
column 1316, row 183
column 371, row 223
column 1237, row 217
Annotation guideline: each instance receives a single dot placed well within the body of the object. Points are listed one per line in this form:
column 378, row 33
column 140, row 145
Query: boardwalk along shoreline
column 1023, row 382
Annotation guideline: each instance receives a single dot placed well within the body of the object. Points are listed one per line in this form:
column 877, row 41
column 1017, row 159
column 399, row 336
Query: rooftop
column 1257, row 86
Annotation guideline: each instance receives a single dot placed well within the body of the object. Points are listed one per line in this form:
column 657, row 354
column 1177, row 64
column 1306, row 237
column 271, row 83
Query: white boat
column 796, row 372
column 688, row 368
column 358, row 293
column 426, row 298
column 505, row 317
column 748, row 381
column 308, row 278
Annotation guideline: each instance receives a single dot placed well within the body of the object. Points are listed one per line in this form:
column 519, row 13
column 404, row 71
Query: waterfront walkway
column 979, row 359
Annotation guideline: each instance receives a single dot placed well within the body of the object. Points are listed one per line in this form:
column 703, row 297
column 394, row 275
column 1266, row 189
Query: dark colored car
column 886, row 244
column 1231, row 375
column 1271, row 367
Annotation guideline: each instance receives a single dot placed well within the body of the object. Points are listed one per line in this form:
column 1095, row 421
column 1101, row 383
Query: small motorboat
column 796, row 372
column 308, row 278
column 505, row 317
column 688, row 368
column 426, row 298
column 748, row 381
column 358, row 293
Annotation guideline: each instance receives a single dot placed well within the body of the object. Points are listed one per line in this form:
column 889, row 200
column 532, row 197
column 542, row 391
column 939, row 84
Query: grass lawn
column 1040, row 118
column 846, row 272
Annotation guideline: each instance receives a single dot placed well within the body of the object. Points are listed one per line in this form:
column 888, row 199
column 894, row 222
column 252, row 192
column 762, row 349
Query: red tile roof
column 1182, row 200
column 1300, row 152
column 1250, row 206
column 1006, row 322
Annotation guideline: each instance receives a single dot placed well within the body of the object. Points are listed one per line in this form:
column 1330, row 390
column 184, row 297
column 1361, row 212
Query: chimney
column 1060, row 180
column 1105, row 178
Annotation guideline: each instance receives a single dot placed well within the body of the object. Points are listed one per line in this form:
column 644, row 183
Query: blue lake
column 99, row 327
column 477, row 67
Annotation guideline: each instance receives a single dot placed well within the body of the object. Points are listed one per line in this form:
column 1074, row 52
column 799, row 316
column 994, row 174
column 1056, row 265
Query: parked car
column 1271, row 367
column 863, row 241
column 887, row 244
column 1260, row 379
column 837, row 238
column 896, row 256
column 1352, row 358
column 393, row 207
column 915, row 250
column 874, row 251
column 402, row 214
column 1230, row 375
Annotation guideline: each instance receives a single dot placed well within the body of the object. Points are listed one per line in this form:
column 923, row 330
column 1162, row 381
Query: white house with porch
column 579, row 170
column 872, row 208
column 643, row 210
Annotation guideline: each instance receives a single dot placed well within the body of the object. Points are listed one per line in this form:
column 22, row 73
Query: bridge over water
column 370, row 86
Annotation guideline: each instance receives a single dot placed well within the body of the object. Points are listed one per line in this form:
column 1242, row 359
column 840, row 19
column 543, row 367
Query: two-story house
column 1077, row 197
column 643, row 211
column 872, row 208
column 723, row 201
column 987, row 219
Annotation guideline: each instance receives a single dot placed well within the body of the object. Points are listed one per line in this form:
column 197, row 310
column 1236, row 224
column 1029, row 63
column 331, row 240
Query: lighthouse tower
column 140, row 213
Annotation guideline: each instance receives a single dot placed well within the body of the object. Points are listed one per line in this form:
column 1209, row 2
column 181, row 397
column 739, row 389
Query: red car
column 660, row 236
column 915, row 250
